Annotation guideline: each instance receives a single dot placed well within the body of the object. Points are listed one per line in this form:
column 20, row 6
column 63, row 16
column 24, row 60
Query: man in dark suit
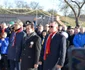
column 55, row 49
column 31, row 49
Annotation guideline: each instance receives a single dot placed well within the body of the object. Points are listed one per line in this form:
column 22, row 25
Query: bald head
column 3, row 25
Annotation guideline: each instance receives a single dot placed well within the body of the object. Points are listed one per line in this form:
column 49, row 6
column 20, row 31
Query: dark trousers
column 14, row 64
column 0, row 65
column 40, row 67
column 4, row 62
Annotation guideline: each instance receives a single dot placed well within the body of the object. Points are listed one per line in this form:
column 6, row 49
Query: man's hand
column 20, row 60
column 57, row 18
column 58, row 66
column 40, row 63
column 2, row 39
column 35, row 65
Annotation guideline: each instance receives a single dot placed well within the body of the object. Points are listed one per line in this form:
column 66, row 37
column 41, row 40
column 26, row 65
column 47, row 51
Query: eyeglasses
column 51, row 26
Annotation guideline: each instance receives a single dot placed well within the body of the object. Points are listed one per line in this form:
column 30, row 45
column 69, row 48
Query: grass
column 71, row 22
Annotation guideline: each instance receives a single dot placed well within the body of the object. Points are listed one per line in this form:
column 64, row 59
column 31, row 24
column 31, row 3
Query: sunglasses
column 51, row 26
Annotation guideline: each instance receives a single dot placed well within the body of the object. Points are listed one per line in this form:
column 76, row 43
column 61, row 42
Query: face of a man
column 44, row 34
column 76, row 30
column 82, row 30
column 71, row 31
column 47, row 27
column 53, row 27
column 3, row 26
column 40, row 28
column 29, row 29
column 16, row 26
column 60, row 28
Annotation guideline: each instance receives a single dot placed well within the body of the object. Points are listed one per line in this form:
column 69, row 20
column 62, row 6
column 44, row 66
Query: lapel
column 29, row 39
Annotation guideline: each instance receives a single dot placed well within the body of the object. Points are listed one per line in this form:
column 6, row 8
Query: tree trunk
column 77, row 21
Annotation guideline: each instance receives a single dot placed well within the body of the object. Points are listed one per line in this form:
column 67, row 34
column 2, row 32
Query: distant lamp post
column 36, row 15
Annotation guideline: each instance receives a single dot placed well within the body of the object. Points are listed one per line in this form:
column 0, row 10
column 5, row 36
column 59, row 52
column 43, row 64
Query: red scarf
column 48, row 42
column 14, row 38
column 3, row 30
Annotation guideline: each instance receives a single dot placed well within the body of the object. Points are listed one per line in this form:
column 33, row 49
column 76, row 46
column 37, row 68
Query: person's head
column 3, row 25
column 40, row 27
column 11, row 23
column 47, row 27
column 82, row 30
column 76, row 30
column 71, row 31
column 30, row 28
column 64, row 28
column 18, row 24
column 3, row 35
column 53, row 27
column 60, row 28
column 44, row 33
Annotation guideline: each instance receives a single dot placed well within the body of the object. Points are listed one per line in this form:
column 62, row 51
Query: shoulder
column 7, row 38
column 22, row 33
column 65, row 34
column 36, row 37
column 77, row 35
column 60, row 36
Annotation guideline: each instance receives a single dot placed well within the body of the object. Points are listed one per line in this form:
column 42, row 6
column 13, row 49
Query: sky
column 46, row 4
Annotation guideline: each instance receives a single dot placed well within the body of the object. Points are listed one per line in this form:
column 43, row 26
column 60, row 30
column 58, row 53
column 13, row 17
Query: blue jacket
column 79, row 40
column 4, row 45
column 14, row 52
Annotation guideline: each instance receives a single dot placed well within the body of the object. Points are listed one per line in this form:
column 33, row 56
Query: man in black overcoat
column 31, row 49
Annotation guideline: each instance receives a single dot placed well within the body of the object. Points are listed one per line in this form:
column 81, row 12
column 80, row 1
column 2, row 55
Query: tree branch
column 75, row 3
column 79, row 10
column 82, row 4
column 71, row 7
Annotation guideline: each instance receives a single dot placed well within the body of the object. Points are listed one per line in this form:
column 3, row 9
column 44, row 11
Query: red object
column 3, row 30
column 47, row 49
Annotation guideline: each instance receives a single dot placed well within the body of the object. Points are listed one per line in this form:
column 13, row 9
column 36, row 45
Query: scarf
column 14, row 36
column 48, row 42
column 3, row 30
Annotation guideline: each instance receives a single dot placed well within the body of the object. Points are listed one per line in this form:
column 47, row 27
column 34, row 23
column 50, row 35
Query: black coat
column 70, row 39
column 31, row 53
column 14, row 52
column 57, row 52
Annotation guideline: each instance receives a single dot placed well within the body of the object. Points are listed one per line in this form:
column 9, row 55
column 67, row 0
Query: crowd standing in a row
column 30, row 47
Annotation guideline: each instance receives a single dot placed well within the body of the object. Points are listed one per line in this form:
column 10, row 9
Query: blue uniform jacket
column 79, row 40
column 4, row 45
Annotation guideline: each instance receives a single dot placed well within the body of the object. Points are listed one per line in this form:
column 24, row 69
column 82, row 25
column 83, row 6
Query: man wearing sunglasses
column 55, row 49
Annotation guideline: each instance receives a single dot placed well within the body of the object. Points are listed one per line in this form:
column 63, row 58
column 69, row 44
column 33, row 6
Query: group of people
column 30, row 47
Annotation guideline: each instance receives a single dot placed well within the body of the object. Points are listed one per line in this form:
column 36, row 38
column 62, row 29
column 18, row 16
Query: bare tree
column 35, row 5
column 52, row 12
column 76, row 11
column 7, row 5
column 21, row 4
